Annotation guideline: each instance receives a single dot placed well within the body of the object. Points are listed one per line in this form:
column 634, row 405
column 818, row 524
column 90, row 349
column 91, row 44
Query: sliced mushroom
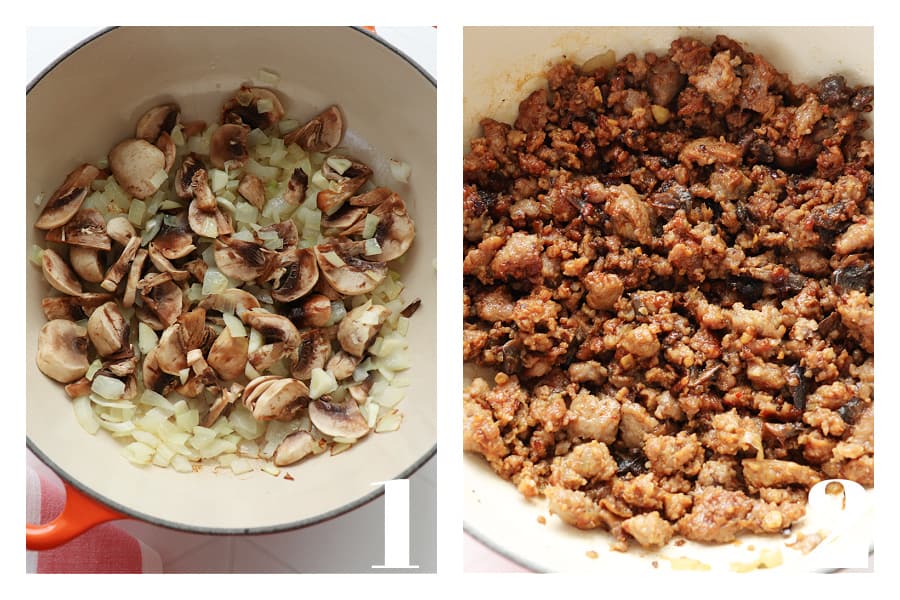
column 360, row 391
column 255, row 387
column 167, row 145
column 340, row 420
column 293, row 448
column 59, row 274
column 228, row 146
column 165, row 301
column 208, row 224
column 178, row 339
column 296, row 189
column 87, row 263
column 312, row 353
column 184, row 177
column 78, row 388
column 197, row 268
column 134, row 277
column 225, row 398
column 62, row 350
column 242, row 260
column 156, row 121
column 73, row 308
column 148, row 318
column 279, row 334
column 321, row 134
column 299, row 274
column 252, row 189
column 87, row 229
column 314, row 311
column 134, row 163
column 192, row 387
column 341, row 222
column 344, row 185
column 281, row 399
column 164, row 265
column 232, row 300
column 228, row 355
column 108, row 330
column 358, row 329
column 174, row 239
column 118, row 269
column 153, row 377
column 68, row 198
column 348, row 274
column 395, row 230
column 244, row 108
column 204, row 197
column 201, row 368
column 371, row 198
column 342, row 365
column 287, row 232
column 121, row 367
column 120, row 230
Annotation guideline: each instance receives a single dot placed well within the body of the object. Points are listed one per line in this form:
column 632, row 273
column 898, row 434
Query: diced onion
column 240, row 466
column 287, row 125
column 372, row 247
column 151, row 398
column 400, row 170
column 214, row 282
column 339, row 164
column 180, row 463
column 235, row 325
column 119, row 404
column 263, row 172
column 36, row 255
column 256, row 137
column 163, row 456
column 335, row 260
column 108, row 387
column 202, row 436
column 370, row 225
column 84, row 414
column 138, row 453
column 319, row 180
column 178, row 135
column 268, row 77
column 217, row 179
column 389, row 422
column 151, row 228
column 187, row 420
column 145, row 437
column 390, row 397
column 265, row 105
column 93, row 368
column 159, row 178
column 322, row 382
column 244, row 212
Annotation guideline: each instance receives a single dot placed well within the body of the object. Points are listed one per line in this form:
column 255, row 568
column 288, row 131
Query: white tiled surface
column 351, row 543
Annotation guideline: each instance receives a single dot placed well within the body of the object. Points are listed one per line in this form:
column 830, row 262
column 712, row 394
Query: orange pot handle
column 80, row 513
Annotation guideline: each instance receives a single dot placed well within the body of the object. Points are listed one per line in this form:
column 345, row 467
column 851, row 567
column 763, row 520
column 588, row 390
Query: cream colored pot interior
column 92, row 99
column 501, row 67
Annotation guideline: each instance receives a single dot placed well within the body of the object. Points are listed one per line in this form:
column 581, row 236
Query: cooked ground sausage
column 669, row 263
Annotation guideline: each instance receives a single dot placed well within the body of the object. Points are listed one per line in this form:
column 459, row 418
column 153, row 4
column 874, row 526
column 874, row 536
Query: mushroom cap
column 348, row 216
column 296, row 188
column 228, row 146
column 287, row 232
column 134, row 277
column 156, row 121
column 280, row 399
column 342, row 420
column 186, row 334
column 174, row 239
column 87, row 264
column 165, row 301
column 133, row 163
column 274, row 328
column 342, row 365
column 395, row 230
column 252, row 189
column 73, row 308
column 184, row 176
column 154, row 378
column 62, row 350
column 118, row 269
column 242, row 108
column 322, row 133
column 300, row 274
column 344, row 185
column 228, row 355
column 293, row 448
column 167, row 145
column 358, row 329
column 314, row 311
column 233, row 300
column 120, row 230
column 355, row 276
column 312, row 353
column 86, row 228
column 371, row 198
column 242, row 260
column 107, row 329
column 68, row 198
column 203, row 222
column 59, row 274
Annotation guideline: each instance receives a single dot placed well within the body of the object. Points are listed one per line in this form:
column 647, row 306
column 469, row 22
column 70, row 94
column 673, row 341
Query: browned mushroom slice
column 203, row 194
column 255, row 387
column 191, row 128
column 108, row 330
column 371, row 198
column 314, row 311
column 360, row 391
column 87, row 263
column 296, row 189
column 228, row 146
column 286, row 230
column 340, row 420
column 68, row 198
column 135, row 163
column 395, row 230
column 255, row 107
column 62, row 350
column 242, row 260
column 167, row 145
column 281, row 400
column 178, row 339
column 184, row 177
column 197, row 268
column 343, row 185
column 166, row 302
column 134, row 277
column 164, row 265
column 313, row 353
column 321, row 134
column 156, row 121
column 87, row 228
column 293, row 448
column 58, row 273
column 153, row 377
column 300, row 273
column 174, row 239
column 358, row 329
column 121, row 367
column 73, row 308
column 148, row 318
column 225, row 398
column 348, row 274
column 341, row 222
column 228, row 355
column 118, row 269
column 252, row 189
column 274, row 328
column 120, row 230
column 342, row 365
column 232, row 300
column 78, row 388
